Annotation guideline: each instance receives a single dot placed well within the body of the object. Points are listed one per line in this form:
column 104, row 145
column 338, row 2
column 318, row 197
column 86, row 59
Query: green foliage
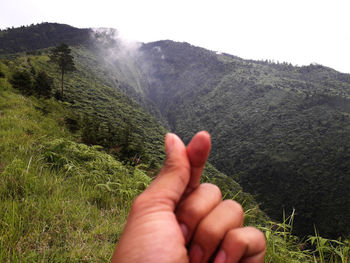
column 282, row 246
column 96, row 168
column 43, row 84
column 30, row 83
column 22, row 80
column 60, row 200
column 33, row 37
column 280, row 131
column 119, row 142
column 61, row 56
column 327, row 250
column 93, row 101
column 14, row 180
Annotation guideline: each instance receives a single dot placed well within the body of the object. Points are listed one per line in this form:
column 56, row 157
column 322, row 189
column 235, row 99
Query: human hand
column 177, row 219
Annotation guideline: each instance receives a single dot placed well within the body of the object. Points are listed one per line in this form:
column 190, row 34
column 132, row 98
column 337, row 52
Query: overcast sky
column 296, row 31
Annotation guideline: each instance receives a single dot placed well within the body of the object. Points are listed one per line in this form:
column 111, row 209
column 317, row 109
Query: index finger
column 198, row 151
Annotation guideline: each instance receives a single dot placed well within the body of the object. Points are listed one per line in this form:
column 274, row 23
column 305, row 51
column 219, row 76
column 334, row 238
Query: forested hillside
column 281, row 131
column 72, row 163
column 272, row 124
column 40, row 36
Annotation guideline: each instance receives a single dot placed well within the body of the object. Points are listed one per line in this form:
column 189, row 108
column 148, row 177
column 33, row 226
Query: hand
column 176, row 219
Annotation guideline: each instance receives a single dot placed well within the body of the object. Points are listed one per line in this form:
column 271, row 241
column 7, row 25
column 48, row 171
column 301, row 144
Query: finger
column 196, row 206
column 198, row 151
column 212, row 229
column 242, row 245
column 166, row 190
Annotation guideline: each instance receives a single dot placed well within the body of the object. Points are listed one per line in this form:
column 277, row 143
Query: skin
column 177, row 219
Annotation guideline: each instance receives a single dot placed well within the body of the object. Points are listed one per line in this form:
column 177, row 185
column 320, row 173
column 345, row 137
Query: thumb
column 172, row 180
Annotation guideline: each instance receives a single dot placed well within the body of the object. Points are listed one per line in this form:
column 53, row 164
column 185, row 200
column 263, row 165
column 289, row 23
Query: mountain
column 41, row 36
column 280, row 131
column 71, row 164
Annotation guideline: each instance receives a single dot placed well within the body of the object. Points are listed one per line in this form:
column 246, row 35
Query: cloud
column 112, row 45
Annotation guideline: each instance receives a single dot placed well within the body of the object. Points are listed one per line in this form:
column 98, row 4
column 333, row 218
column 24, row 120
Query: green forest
column 79, row 144
column 282, row 132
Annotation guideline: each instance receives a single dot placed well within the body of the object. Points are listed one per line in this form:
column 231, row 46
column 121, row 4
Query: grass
column 62, row 201
column 282, row 246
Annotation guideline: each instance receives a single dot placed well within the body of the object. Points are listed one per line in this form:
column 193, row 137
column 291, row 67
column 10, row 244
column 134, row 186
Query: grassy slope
column 61, row 200
column 65, row 201
column 52, row 207
column 89, row 94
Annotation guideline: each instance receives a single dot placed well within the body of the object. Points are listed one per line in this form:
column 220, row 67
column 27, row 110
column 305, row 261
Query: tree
column 90, row 131
column 132, row 147
column 61, row 56
column 43, row 84
column 22, row 81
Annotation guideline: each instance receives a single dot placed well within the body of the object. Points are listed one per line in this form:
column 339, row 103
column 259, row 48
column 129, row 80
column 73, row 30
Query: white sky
column 296, row 31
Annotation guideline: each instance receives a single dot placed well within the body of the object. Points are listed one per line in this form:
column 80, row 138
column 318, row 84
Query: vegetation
column 43, row 84
column 39, row 36
column 22, row 81
column 272, row 124
column 61, row 56
column 60, row 201
column 280, row 131
column 63, row 200
column 69, row 169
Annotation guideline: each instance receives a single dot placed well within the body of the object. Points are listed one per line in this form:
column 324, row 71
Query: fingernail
column 169, row 142
column 220, row 257
column 184, row 230
column 196, row 254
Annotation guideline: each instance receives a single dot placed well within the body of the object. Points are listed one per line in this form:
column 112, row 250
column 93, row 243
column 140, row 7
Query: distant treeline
column 33, row 37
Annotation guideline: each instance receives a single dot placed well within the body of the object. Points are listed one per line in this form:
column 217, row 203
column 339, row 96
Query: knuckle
column 259, row 238
column 203, row 201
column 189, row 212
column 235, row 207
column 208, row 235
column 213, row 189
column 249, row 238
column 235, row 238
column 139, row 202
column 193, row 211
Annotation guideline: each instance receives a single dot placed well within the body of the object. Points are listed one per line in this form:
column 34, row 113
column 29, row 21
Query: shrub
column 43, row 84
column 22, row 81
